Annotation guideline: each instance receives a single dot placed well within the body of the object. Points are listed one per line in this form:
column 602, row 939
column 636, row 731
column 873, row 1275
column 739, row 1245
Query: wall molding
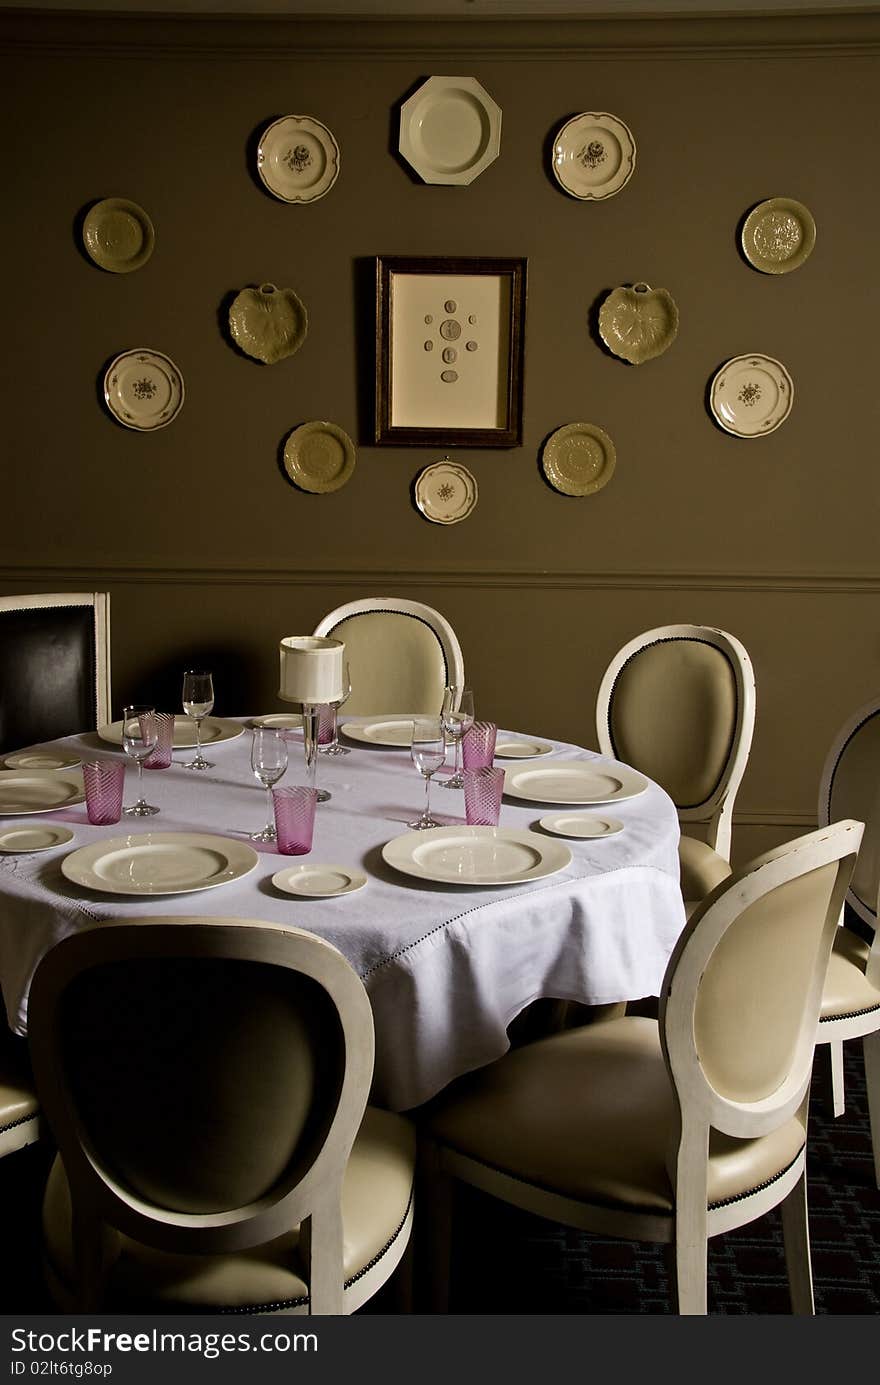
column 842, row 584
column 843, row 33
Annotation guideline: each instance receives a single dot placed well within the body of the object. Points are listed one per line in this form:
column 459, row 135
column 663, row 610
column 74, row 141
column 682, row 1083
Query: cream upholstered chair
column 678, row 703
column 851, row 1000
column 669, row 1131
column 55, row 653
column 20, row 1119
column 206, row 1081
column 401, row 654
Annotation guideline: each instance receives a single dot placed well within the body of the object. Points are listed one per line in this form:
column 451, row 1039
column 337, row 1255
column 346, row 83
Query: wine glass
column 140, row 732
column 198, row 701
column 428, row 754
column 268, row 762
column 458, row 718
column 333, row 747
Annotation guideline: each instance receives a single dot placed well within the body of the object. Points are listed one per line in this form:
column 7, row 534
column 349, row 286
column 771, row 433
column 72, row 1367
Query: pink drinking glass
column 482, row 795
column 160, row 758
column 478, row 746
column 103, row 780
column 294, row 807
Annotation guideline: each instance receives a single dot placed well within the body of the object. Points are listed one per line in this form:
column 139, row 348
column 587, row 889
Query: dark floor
column 507, row 1262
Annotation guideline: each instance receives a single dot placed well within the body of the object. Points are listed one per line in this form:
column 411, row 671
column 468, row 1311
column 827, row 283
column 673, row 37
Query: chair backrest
column 204, row 1079
column 401, row 654
column 55, row 661
column 678, row 703
column 739, row 1004
column 850, row 786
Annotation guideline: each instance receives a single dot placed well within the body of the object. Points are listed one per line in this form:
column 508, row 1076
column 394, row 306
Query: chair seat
column 376, row 1204
column 587, row 1114
column 702, row 868
column 846, row 991
column 19, row 1108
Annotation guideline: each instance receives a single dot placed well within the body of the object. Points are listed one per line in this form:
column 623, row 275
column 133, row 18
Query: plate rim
column 314, row 126
column 267, row 719
column 357, row 878
column 89, row 234
column 596, row 117
column 133, row 838
column 504, row 833
column 226, row 721
column 565, row 766
column 757, row 358
column 370, row 721
column 559, row 483
column 49, row 775
column 616, row 827
column 542, row 750
column 138, row 351
column 5, row 760
column 796, row 260
column 410, row 114
column 296, row 473
column 65, row 834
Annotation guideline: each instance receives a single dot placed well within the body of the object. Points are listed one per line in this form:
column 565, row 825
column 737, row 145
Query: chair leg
column 690, row 1278
column 796, row 1237
column 871, row 1048
column 838, row 1091
column 432, row 1233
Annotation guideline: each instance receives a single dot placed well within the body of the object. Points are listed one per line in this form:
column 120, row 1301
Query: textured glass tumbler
column 160, row 758
column 478, row 746
column 326, row 724
column 294, row 807
column 103, row 780
column 482, row 795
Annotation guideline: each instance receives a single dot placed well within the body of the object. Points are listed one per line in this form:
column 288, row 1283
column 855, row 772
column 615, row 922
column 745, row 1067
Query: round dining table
column 447, row 965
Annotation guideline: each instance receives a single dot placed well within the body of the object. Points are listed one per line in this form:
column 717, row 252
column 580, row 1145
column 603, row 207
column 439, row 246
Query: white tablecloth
column 446, row 968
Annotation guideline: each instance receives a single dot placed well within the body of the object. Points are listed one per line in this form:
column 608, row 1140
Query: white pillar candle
column 311, row 669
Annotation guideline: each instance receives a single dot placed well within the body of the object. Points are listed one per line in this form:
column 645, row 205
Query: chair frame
column 416, row 610
column 864, row 1025
column 100, row 604
column 715, row 812
column 312, row 1200
column 700, row 1106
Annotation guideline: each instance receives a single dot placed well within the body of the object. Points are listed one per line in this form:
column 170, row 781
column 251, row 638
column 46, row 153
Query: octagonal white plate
column 450, row 130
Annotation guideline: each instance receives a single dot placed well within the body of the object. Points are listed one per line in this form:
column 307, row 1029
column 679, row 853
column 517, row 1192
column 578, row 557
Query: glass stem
column 427, row 813
column 140, row 765
column 310, row 740
column 457, row 757
column 271, row 823
column 198, row 739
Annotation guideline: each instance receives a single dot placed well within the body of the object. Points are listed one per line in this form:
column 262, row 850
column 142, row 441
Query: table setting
column 454, row 927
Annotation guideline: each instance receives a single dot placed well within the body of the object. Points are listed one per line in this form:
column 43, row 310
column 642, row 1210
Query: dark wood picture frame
column 477, row 343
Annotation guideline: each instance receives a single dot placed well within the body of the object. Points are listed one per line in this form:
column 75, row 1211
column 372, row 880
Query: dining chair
column 206, row 1080
column 678, row 703
column 671, row 1130
column 55, row 653
column 851, row 1000
column 20, row 1118
column 401, row 654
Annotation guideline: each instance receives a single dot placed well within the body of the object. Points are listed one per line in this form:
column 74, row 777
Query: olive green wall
column 207, row 549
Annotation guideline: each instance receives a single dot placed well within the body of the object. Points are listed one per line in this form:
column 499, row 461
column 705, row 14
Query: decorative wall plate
column 450, row 130
column 638, row 323
column 446, row 492
column 579, row 459
column 319, row 457
column 268, row 323
column 594, row 155
column 298, row 159
column 778, row 235
column 118, row 235
column 751, row 395
column 143, row 389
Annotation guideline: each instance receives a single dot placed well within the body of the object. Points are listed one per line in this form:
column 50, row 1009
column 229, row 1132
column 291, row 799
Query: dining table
column 447, row 963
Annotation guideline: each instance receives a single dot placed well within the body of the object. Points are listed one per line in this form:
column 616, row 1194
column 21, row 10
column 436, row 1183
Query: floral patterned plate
column 778, row 235
column 446, row 492
column 579, row 459
column 594, row 155
column 751, row 395
column 298, row 159
column 319, row 457
column 143, row 389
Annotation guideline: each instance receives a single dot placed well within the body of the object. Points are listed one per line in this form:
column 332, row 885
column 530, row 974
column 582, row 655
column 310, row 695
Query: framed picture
column 450, row 338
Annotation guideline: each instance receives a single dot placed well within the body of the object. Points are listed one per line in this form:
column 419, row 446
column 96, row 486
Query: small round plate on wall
column 638, row 323
column 778, row 235
column 579, row 459
column 319, row 457
column 446, row 492
column 751, row 395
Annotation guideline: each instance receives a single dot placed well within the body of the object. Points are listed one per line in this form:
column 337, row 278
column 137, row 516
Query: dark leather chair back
column 54, row 678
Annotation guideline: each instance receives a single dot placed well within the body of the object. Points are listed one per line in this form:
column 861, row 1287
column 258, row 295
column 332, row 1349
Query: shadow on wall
column 235, row 686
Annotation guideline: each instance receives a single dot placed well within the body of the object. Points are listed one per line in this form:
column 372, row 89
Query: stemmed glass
column 458, row 718
column 428, row 754
column 198, row 701
column 139, row 735
column 333, row 747
column 268, row 762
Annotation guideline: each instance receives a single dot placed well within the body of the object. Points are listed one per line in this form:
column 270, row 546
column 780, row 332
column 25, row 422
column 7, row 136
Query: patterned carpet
column 507, row 1262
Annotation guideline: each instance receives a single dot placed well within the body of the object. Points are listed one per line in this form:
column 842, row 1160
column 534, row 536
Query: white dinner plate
column 281, row 721
column 476, row 855
column 149, row 863
column 580, row 825
column 35, row 836
column 513, row 748
column 39, row 791
column 41, row 759
column 574, row 781
column 390, row 731
column 214, row 729
column 143, row 389
column 319, row 882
